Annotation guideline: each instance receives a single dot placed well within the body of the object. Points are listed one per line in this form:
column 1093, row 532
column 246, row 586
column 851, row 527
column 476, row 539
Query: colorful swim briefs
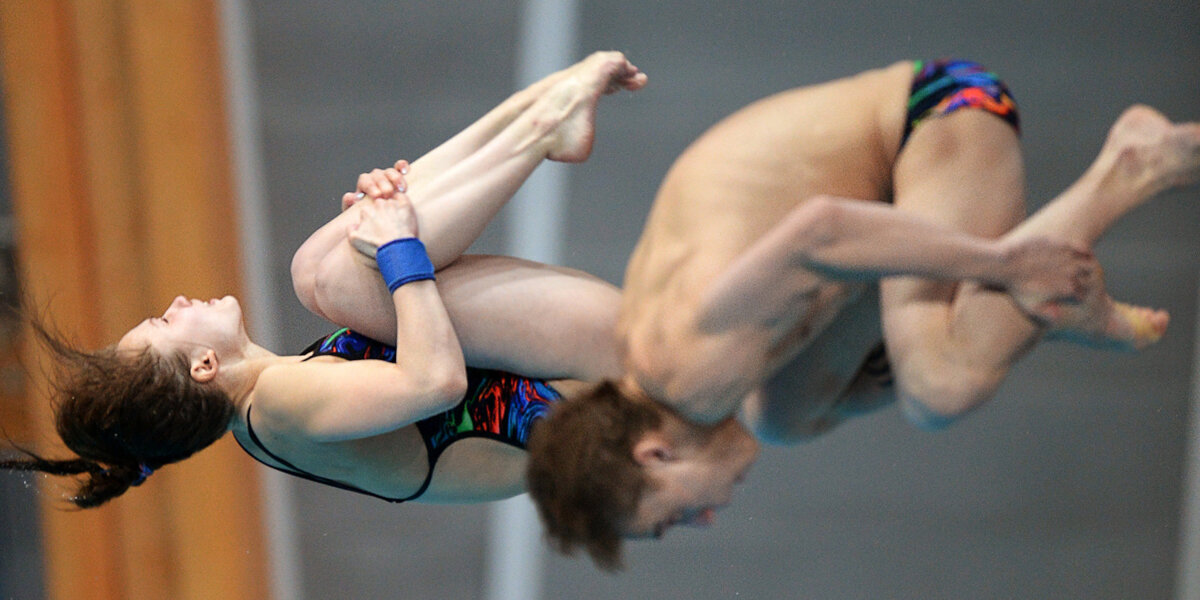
column 943, row 86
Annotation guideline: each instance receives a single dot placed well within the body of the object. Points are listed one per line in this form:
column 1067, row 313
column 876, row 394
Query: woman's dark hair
column 124, row 414
column 582, row 474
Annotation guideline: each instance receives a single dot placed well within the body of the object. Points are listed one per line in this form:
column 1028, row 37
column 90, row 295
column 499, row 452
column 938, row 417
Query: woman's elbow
column 446, row 387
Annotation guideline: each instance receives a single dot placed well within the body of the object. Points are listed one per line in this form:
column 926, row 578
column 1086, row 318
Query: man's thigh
column 962, row 171
column 799, row 400
column 965, row 171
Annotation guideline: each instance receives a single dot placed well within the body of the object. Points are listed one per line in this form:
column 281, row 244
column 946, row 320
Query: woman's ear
column 205, row 366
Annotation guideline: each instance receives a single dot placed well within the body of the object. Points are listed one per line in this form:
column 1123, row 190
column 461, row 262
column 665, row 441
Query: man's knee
column 934, row 398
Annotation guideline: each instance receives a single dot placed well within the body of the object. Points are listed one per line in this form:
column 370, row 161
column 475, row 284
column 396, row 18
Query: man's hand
column 1046, row 275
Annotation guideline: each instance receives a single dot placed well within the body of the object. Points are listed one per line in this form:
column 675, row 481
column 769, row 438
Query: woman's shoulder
column 274, row 398
column 330, row 398
column 287, row 394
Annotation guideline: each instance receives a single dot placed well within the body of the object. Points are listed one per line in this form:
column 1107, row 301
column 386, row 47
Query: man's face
column 691, row 477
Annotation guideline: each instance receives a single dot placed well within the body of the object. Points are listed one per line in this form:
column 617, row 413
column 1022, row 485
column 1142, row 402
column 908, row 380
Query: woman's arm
column 329, row 401
column 519, row 316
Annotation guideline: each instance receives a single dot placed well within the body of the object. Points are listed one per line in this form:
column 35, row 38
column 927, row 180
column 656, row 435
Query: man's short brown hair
column 582, row 474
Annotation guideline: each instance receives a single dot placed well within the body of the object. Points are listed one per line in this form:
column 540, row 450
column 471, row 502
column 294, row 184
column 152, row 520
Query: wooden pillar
column 123, row 199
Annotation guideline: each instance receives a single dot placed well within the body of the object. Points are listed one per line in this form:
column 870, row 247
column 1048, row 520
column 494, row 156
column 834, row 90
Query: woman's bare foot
column 576, row 97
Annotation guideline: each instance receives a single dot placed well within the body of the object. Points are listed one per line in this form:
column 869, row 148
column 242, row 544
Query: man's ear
column 653, row 448
column 205, row 366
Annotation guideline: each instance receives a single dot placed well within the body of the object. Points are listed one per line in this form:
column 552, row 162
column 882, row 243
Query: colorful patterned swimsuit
column 498, row 406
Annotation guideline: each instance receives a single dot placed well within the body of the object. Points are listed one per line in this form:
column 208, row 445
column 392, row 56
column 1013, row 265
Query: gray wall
column 1067, row 486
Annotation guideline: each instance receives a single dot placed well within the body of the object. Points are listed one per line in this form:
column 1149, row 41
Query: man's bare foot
column 577, row 95
column 1147, row 146
column 1119, row 326
column 1103, row 323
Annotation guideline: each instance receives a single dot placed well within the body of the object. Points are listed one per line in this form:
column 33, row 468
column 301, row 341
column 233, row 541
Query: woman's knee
column 314, row 270
column 303, row 269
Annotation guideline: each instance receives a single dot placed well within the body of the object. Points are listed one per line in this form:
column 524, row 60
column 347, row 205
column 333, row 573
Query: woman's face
column 190, row 324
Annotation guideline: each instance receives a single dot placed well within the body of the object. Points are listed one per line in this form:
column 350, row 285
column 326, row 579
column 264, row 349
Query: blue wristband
column 403, row 261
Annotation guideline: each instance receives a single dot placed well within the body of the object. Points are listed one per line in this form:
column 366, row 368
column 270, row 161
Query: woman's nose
column 176, row 304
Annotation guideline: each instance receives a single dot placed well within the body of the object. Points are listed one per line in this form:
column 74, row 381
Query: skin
column 710, row 300
column 325, row 411
column 353, row 420
column 187, row 322
column 740, row 298
column 327, row 263
column 692, row 476
column 456, row 189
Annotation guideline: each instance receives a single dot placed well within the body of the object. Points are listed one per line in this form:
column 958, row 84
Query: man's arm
column 852, row 240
